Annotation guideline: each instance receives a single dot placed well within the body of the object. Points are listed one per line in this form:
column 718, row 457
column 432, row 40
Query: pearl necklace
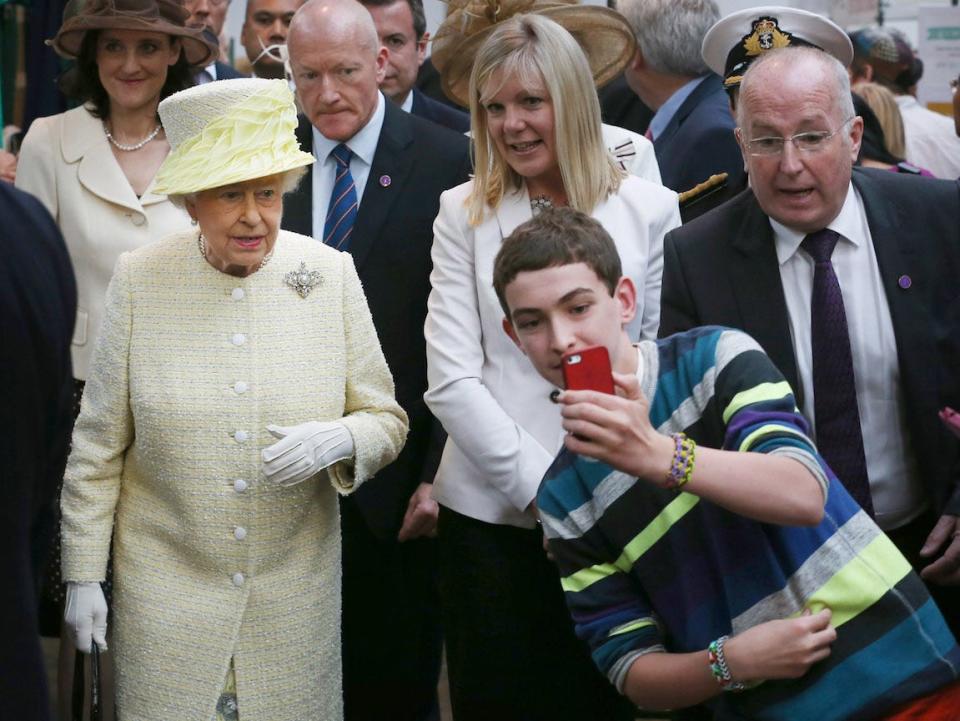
column 202, row 244
column 135, row 146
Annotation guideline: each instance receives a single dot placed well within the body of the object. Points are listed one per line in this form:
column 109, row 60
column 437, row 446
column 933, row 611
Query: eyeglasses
column 811, row 142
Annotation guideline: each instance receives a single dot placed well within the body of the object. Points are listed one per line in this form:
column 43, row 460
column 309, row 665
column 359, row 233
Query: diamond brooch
column 303, row 280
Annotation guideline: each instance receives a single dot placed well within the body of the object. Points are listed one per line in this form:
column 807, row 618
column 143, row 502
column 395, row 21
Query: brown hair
column 556, row 237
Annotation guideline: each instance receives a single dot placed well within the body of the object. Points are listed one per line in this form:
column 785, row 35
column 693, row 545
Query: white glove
column 305, row 450
column 86, row 615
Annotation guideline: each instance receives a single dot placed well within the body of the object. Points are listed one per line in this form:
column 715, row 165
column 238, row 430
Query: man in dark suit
column 397, row 165
column 211, row 15
column 858, row 334
column 691, row 129
column 402, row 27
column 38, row 301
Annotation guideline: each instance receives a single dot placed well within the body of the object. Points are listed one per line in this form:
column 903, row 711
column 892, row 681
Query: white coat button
column 239, row 533
column 238, row 579
column 241, row 436
column 138, row 220
column 239, row 339
column 239, row 485
column 240, row 387
column 237, row 294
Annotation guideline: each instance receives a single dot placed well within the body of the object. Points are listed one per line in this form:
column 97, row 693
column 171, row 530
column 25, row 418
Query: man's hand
column 943, row 543
column 420, row 520
column 8, row 166
column 784, row 648
column 616, row 429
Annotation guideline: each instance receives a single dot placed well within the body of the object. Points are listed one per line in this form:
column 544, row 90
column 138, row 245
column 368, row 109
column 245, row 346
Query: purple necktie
column 839, row 437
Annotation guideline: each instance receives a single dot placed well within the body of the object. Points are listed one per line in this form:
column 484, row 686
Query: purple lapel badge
column 904, row 281
column 385, row 181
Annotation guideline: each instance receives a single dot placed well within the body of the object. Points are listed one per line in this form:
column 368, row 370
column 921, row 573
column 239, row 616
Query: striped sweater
column 647, row 570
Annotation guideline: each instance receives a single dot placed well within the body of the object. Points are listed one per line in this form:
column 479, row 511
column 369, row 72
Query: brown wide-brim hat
column 155, row 16
column 604, row 35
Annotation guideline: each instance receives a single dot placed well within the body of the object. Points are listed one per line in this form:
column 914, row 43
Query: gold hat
column 604, row 35
column 228, row 131
column 158, row 16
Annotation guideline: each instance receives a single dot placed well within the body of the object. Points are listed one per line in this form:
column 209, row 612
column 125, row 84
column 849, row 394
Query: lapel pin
column 302, row 280
column 385, row 181
column 904, row 281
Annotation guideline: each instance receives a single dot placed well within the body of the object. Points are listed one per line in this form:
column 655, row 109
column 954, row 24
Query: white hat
column 738, row 39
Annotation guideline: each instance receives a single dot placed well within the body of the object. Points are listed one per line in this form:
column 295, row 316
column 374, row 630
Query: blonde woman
column 237, row 387
column 884, row 106
column 535, row 121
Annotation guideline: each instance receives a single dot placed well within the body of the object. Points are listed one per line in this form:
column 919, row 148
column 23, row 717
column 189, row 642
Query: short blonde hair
column 884, row 105
column 541, row 54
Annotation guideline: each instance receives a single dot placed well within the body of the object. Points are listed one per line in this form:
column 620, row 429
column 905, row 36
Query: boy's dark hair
column 82, row 81
column 416, row 9
column 555, row 237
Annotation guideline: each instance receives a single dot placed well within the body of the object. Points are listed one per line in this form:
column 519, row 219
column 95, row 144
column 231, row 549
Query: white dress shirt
column 895, row 486
column 932, row 141
column 364, row 147
column 207, row 74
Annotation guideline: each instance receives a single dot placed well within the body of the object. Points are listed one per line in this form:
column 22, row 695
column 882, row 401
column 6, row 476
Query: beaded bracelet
column 684, row 456
column 719, row 668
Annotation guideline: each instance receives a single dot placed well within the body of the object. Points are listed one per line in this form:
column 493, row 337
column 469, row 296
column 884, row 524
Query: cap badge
column 766, row 35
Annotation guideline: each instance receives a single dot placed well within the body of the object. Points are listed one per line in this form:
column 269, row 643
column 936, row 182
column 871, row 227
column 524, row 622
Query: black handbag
column 87, row 692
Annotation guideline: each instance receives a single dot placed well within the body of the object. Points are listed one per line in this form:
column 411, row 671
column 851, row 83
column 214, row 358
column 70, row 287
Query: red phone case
column 588, row 370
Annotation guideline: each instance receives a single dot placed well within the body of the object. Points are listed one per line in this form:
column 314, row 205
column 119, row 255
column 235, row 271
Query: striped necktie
column 342, row 211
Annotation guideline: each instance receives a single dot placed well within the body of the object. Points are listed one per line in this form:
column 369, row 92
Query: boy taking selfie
column 703, row 545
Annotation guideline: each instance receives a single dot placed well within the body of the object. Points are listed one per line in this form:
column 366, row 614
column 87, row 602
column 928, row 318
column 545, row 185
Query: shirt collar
column 363, row 144
column 407, row 105
column 661, row 119
column 846, row 224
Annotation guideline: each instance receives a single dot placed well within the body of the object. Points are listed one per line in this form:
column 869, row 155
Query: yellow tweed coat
column 211, row 561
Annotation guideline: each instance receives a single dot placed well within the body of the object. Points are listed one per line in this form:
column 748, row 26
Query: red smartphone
column 588, row 370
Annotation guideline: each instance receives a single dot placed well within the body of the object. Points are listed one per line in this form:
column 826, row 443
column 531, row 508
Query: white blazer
column 633, row 152
column 503, row 430
column 66, row 162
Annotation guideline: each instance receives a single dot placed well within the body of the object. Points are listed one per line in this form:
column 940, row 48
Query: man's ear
column 511, row 331
column 626, row 295
column 422, row 48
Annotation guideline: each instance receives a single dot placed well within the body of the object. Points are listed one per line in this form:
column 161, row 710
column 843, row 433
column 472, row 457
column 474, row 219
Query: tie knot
column 342, row 154
column 820, row 245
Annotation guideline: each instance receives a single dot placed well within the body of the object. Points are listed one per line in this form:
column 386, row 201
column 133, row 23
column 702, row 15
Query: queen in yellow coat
column 238, row 385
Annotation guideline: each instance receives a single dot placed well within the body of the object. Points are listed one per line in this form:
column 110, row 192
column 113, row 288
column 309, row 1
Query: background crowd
column 283, row 343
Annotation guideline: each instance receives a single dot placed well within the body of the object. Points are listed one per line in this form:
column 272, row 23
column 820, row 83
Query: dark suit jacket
column 620, row 106
column 698, row 141
column 227, row 72
column 391, row 248
column 439, row 113
column 722, row 269
column 38, row 303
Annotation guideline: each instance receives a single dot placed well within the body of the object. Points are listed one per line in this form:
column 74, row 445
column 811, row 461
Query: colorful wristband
column 719, row 668
column 684, row 456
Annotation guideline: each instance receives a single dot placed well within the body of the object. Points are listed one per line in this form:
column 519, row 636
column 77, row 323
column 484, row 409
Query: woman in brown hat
column 535, row 122
column 93, row 166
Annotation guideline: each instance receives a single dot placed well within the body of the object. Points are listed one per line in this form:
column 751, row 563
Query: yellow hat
column 228, row 131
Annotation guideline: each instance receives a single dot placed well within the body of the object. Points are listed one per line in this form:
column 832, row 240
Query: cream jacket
column 503, row 429
column 210, row 560
column 67, row 164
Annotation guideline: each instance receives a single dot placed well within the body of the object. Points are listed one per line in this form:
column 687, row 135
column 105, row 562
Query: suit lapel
column 392, row 163
column 298, row 205
column 97, row 170
column 901, row 273
column 756, row 285
column 705, row 88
